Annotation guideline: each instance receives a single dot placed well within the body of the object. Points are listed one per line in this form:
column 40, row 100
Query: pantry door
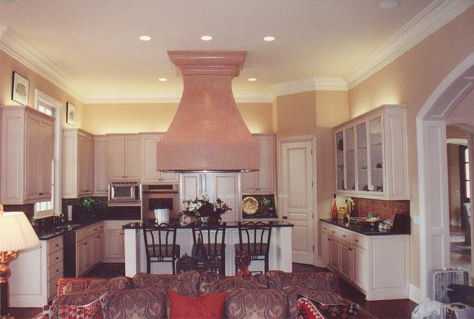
column 296, row 194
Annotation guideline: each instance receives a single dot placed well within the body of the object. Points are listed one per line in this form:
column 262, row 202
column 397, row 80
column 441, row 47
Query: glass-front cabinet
column 371, row 155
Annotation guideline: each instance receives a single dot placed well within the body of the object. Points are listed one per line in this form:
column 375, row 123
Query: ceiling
column 95, row 45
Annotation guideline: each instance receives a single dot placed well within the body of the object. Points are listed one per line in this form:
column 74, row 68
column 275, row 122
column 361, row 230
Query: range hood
column 208, row 133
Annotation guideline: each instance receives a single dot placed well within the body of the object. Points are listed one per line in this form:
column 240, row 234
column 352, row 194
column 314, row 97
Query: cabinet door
column 350, row 159
column 83, row 163
column 115, row 245
column 333, row 253
column 376, row 155
column 116, row 157
column 33, row 156
column 90, row 158
column 226, row 187
column 132, row 157
column 249, row 182
column 362, row 163
column 100, row 166
column 340, row 161
column 149, row 172
column 79, row 258
column 101, row 246
column 46, row 172
column 360, row 267
column 266, row 174
column 94, row 250
column 347, row 260
column 325, row 247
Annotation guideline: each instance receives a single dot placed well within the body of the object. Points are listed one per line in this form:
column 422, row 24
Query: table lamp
column 16, row 234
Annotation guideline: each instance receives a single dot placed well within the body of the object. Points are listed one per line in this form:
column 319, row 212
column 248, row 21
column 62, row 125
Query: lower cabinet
column 377, row 265
column 89, row 244
column 114, row 240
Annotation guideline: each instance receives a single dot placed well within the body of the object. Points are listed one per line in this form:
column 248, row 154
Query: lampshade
column 16, row 232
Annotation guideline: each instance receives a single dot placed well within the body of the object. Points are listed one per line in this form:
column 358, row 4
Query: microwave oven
column 124, row 193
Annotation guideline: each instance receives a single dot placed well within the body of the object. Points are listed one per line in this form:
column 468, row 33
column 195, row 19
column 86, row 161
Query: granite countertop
column 276, row 224
column 364, row 229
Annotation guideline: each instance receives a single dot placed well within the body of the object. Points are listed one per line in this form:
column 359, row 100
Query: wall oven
column 160, row 196
column 124, row 193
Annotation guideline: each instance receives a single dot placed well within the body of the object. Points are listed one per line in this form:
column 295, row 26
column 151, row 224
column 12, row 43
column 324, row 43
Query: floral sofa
column 273, row 295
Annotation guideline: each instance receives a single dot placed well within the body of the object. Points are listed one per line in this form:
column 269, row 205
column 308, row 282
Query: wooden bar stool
column 213, row 239
column 160, row 245
column 254, row 239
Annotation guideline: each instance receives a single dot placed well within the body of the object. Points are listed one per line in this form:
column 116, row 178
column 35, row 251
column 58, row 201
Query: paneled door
column 296, row 194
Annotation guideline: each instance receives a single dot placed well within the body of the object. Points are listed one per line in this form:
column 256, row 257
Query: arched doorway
column 432, row 167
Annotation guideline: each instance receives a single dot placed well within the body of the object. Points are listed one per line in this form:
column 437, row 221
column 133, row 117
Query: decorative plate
column 250, row 205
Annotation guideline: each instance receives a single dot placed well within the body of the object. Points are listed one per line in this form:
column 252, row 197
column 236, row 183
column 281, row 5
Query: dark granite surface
column 277, row 224
column 364, row 229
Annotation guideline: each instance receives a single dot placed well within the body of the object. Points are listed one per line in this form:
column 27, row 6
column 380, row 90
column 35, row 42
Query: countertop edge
column 330, row 222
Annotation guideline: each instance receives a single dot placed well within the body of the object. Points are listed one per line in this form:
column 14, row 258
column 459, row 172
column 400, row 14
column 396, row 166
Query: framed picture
column 70, row 114
column 20, row 89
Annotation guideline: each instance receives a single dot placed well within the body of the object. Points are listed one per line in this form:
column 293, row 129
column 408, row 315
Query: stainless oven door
column 152, row 201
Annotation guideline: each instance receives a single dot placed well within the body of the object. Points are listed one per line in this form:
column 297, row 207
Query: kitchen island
column 280, row 248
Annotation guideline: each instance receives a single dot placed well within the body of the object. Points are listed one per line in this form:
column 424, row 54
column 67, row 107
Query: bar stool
column 160, row 245
column 254, row 239
column 213, row 239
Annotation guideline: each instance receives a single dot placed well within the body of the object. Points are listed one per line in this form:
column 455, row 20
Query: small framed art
column 70, row 114
column 20, row 88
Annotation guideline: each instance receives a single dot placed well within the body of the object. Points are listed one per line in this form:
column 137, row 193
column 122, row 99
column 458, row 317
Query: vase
column 186, row 220
column 205, row 219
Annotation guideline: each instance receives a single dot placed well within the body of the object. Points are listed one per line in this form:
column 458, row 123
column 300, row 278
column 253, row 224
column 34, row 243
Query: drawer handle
column 57, row 258
column 357, row 240
column 350, row 249
column 57, row 270
column 343, row 235
column 85, row 244
column 40, row 193
column 333, row 231
column 57, row 245
column 329, row 239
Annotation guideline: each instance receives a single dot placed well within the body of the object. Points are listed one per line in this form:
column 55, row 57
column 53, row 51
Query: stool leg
column 266, row 263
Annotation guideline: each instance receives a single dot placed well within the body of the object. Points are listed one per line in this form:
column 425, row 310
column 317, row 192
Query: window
column 48, row 105
column 464, row 162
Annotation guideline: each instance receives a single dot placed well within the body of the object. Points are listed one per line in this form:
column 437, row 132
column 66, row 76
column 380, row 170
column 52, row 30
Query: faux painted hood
column 208, row 132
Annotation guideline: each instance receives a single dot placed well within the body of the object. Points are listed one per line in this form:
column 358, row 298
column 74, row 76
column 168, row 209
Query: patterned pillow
column 311, row 309
column 143, row 303
column 251, row 282
column 187, row 283
column 255, row 303
column 92, row 310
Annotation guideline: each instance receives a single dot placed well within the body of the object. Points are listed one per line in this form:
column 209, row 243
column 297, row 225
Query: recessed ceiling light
column 162, row 79
column 389, row 4
column 252, row 79
column 269, row 38
column 206, row 38
column 145, row 38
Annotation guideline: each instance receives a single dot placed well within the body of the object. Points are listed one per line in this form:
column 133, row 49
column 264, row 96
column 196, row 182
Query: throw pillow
column 311, row 309
column 207, row 306
column 92, row 310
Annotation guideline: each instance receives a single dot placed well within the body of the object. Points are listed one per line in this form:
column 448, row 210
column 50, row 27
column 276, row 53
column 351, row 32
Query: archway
column 432, row 167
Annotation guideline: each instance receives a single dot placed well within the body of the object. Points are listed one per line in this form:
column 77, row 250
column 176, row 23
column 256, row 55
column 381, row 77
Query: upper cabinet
column 263, row 180
column 27, row 155
column 124, row 156
column 78, row 163
column 371, row 155
column 149, row 173
column 101, row 181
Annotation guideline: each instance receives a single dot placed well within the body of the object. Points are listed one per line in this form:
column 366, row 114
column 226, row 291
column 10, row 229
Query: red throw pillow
column 92, row 310
column 206, row 306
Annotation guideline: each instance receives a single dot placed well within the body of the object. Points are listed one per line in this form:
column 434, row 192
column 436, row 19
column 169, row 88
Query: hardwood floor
column 397, row 309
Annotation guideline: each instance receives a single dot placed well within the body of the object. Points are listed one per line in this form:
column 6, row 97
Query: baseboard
column 414, row 294
column 319, row 263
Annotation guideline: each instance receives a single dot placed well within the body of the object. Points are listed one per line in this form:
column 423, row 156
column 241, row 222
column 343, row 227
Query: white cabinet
column 114, row 240
column 263, row 180
column 35, row 274
column 78, row 163
column 124, row 156
column 89, row 244
column 216, row 185
column 101, row 181
column 364, row 260
column 27, row 155
column 371, row 155
column 149, row 173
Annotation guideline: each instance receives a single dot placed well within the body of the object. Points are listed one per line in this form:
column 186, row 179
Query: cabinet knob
column 57, row 270
column 357, row 240
column 329, row 239
column 57, row 258
column 333, row 231
column 350, row 249
column 85, row 244
column 343, row 235
column 57, row 245
column 40, row 193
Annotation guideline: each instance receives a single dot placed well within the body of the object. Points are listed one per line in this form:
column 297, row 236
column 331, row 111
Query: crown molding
column 308, row 84
column 429, row 20
column 172, row 98
column 13, row 45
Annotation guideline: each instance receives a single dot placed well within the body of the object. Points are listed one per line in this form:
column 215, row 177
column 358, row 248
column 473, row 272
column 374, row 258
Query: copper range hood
column 208, row 133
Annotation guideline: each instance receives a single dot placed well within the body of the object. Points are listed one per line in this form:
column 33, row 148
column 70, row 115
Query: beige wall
column 296, row 114
column 332, row 108
column 134, row 118
column 9, row 64
column 410, row 80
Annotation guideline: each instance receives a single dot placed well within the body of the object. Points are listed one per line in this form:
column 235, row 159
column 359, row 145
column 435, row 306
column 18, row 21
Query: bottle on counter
column 346, row 211
column 334, row 209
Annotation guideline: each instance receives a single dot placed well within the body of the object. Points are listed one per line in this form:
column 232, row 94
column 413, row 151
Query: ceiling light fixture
column 269, row 38
column 206, row 38
column 162, row 79
column 144, row 38
column 389, row 4
column 252, row 79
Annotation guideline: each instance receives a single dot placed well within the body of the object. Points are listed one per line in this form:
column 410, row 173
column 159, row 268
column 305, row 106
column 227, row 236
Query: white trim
column 57, row 153
column 12, row 44
column 432, row 168
column 429, row 20
column 457, row 141
column 414, row 293
column 308, row 84
column 170, row 98
column 2, row 29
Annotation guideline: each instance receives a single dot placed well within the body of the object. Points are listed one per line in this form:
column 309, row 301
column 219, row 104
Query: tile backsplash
column 386, row 209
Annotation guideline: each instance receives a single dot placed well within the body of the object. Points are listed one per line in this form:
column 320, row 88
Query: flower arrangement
column 203, row 207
